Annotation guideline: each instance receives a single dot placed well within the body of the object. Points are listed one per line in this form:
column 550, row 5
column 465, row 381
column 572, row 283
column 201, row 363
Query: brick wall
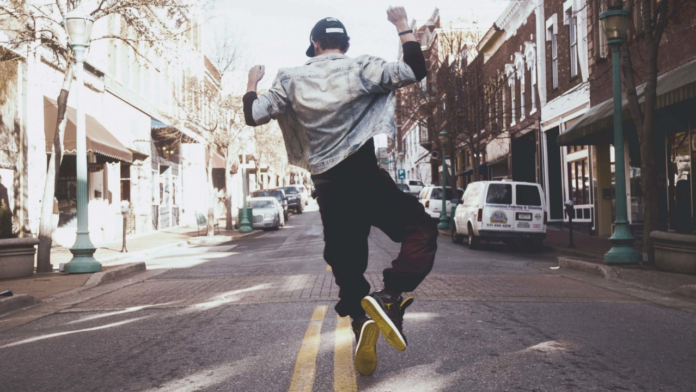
column 565, row 81
column 678, row 47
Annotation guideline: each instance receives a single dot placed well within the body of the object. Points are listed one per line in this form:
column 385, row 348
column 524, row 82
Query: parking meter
column 125, row 209
column 570, row 211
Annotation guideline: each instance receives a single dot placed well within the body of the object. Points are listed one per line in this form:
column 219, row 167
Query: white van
column 501, row 211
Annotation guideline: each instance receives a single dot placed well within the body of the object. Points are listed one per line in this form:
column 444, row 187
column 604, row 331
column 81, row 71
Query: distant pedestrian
column 4, row 196
column 329, row 109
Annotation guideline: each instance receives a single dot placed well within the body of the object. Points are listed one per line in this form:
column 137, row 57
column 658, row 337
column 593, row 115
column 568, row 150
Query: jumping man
column 329, row 110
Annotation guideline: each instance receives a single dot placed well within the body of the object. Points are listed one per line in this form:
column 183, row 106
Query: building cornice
column 514, row 16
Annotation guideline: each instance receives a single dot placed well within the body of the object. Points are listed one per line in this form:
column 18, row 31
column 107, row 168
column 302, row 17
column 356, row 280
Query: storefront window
column 682, row 147
column 579, row 181
column 66, row 192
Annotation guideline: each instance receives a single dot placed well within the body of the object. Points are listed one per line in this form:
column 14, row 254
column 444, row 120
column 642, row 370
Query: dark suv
column 294, row 198
column 278, row 194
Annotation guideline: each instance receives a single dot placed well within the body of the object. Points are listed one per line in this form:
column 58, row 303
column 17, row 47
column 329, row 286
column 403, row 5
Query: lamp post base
column 245, row 228
column 622, row 251
column 83, row 262
column 444, row 223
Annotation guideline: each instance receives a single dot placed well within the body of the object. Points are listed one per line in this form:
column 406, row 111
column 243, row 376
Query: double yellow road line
column 306, row 364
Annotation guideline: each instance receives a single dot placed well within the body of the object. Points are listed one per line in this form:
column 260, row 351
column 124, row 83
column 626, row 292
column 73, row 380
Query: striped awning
column 99, row 139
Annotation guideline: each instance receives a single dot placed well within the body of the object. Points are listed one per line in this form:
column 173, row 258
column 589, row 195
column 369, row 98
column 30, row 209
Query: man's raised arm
column 260, row 110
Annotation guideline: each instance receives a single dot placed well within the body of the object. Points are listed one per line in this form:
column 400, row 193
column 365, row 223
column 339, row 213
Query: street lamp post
column 615, row 24
column 444, row 222
column 401, row 163
column 78, row 24
column 244, row 224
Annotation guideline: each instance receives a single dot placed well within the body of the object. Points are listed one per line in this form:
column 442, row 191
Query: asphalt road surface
column 257, row 315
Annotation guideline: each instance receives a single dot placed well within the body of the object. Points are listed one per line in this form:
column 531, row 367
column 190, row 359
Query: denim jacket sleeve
column 272, row 103
column 380, row 76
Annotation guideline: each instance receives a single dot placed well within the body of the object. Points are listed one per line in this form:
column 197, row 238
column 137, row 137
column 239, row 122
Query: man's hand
column 397, row 16
column 256, row 73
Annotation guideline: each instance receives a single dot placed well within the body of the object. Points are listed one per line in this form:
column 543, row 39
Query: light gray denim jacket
column 328, row 108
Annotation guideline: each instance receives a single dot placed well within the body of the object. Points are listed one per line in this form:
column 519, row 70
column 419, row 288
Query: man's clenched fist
column 397, row 15
column 256, row 73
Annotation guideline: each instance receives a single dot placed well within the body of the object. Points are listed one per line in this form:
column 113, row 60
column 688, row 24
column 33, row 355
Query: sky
column 276, row 33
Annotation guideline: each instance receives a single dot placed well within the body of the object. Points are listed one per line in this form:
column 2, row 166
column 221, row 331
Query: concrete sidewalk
column 116, row 265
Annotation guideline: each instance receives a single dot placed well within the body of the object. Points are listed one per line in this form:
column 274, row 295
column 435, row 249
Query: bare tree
column 269, row 148
column 460, row 97
column 639, row 61
column 32, row 26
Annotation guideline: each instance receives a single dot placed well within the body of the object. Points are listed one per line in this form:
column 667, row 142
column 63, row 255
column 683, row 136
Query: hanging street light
column 78, row 24
column 615, row 26
column 444, row 222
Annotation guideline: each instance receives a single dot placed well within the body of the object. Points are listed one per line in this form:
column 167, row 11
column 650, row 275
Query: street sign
column 402, row 174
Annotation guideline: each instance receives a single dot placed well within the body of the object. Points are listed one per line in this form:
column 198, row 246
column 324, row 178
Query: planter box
column 17, row 257
column 675, row 252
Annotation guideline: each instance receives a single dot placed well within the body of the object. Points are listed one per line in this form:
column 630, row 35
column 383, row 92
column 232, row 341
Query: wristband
column 406, row 32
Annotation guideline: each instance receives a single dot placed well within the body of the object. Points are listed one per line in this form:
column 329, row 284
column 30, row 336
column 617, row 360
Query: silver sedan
column 266, row 212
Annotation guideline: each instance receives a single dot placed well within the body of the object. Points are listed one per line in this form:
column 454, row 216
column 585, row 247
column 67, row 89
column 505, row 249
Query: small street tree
column 32, row 27
column 639, row 62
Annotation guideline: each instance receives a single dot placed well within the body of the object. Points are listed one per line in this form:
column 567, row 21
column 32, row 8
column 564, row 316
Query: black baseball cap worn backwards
column 323, row 27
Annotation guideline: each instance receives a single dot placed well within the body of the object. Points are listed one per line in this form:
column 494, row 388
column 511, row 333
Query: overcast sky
column 276, row 33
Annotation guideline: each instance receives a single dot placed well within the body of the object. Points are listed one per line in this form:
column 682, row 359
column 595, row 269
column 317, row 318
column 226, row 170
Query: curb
column 688, row 291
column 603, row 271
column 142, row 253
column 215, row 240
column 16, row 303
column 570, row 252
column 114, row 274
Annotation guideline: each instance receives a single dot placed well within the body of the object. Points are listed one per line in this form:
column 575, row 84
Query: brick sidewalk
column 585, row 245
column 42, row 286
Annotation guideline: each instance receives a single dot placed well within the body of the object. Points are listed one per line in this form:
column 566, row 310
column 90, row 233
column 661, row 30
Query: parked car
column 279, row 194
column 294, row 198
column 415, row 185
column 267, row 212
column 431, row 198
column 501, row 211
column 406, row 189
column 304, row 193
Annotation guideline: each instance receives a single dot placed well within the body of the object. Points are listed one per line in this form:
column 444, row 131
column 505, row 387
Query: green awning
column 596, row 125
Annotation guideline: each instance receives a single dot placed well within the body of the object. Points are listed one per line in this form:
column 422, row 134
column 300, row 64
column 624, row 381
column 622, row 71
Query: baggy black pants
column 354, row 196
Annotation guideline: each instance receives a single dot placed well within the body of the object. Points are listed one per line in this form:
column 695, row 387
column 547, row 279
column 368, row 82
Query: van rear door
column 529, row 208
column 498, row 212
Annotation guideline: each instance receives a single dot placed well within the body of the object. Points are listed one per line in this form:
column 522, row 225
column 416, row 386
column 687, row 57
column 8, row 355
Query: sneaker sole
column 366, row 351
column 388, row 329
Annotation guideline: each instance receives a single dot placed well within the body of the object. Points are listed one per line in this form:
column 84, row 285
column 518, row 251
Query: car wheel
column 474, row 242
column 287, row 216
column 299, row 210
column 456, row 237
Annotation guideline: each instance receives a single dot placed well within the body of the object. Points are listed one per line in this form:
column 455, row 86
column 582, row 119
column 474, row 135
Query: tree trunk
column 211, row 195
column 43, row 257
column 228, row 190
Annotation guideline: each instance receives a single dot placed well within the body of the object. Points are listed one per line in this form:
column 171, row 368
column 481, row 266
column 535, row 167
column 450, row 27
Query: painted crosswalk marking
column 344, row 370
column 306, row 364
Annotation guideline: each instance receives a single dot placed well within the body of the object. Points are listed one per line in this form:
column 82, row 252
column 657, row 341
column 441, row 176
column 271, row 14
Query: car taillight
column 545, row 218
column 427, row 204
column 480, row 215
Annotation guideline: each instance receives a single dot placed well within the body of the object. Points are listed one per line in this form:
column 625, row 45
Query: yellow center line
column 306, row 364
column 344, row 371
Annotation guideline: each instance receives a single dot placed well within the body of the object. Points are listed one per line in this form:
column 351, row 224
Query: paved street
column 253, row 315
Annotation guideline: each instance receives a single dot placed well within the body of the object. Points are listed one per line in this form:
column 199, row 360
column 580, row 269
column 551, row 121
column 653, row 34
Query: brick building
column 674, row 119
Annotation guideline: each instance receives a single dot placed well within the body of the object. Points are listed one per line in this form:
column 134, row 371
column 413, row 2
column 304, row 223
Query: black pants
column 354, row 196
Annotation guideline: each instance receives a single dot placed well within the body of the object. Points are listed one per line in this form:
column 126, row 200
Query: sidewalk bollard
column 125, row 208
column 570, row 211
